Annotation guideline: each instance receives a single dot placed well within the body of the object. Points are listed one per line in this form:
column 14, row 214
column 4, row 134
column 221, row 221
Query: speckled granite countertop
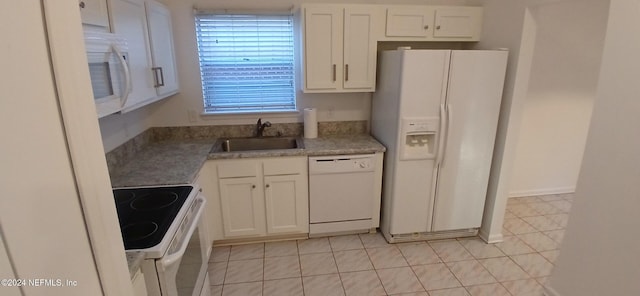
column 178, row 162
column 337, row 145
column 332, row 145
column 134, row 260
column 163, row 163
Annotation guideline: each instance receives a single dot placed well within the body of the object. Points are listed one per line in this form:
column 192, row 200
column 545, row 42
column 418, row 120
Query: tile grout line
column 264, row 264
column 536, row 251
column 224, row 280
column 344, row 290
column 478, row 259
column 413, row 271
column 374, row 268
column 300, row 266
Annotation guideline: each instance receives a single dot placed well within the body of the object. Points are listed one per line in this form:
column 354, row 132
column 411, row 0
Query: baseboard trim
column 426, row 236
column 491, row 238
column 557, row 190
column 548, row 291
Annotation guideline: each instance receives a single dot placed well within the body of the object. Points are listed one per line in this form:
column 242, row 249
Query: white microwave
column 109, row 70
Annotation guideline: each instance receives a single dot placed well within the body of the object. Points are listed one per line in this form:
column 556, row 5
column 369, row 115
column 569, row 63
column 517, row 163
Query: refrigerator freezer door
column 473, row 101
column 418, row 85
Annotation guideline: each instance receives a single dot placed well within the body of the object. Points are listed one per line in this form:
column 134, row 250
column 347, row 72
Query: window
column 246, row 62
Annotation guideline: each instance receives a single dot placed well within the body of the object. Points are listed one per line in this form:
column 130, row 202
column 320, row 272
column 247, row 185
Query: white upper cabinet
column 339, row 48
column 458, row 22
column 359, row 55
column 162, row 51
column 339, row 41
column 128, row 19
column 433, row 23
column 94, row 12
column 323, row 47
column 410, row 21
column 146, row 24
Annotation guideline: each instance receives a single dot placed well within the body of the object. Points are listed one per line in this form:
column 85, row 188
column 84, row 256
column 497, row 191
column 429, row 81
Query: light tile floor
column 367, row 265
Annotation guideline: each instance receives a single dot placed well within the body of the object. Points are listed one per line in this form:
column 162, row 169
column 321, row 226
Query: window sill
column 251, row 115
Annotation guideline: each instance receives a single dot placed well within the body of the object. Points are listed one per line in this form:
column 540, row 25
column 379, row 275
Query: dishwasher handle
column 341, row 164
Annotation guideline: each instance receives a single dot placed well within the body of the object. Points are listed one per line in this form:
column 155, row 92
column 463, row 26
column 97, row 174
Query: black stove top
column 146, row 214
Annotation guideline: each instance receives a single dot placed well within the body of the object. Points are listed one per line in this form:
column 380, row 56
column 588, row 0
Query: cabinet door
column 458, row 22
column 286, row 204
column 94, row 12
column 242, row 206
column 128, row 20
column 161, row 39
column 322, row 48
column 359, row 49
column 409, row 21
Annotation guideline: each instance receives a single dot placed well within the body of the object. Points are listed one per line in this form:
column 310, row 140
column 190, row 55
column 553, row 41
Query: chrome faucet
column 261, row 126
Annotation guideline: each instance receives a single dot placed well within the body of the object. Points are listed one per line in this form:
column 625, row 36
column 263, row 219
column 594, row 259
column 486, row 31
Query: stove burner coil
column 155, row 201
column 123, row 197
column 139, row 231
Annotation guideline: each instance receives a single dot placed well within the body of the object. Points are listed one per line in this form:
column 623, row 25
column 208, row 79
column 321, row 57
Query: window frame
column 288, row 102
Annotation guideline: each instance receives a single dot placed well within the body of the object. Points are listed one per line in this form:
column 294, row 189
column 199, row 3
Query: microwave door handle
column 127, row 75
column 174, row 257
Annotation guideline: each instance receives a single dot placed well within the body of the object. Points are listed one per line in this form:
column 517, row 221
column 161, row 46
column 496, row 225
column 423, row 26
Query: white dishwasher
column 341, row 194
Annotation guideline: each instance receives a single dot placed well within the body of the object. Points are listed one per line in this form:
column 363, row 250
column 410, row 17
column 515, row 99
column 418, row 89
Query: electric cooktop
column 146, row 214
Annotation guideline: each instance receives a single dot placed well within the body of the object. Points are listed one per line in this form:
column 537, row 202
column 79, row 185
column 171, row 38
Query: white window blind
column 246, row 62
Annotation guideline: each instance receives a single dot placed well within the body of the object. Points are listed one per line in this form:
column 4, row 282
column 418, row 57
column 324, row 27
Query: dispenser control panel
column 418, row 126
column 419, row 137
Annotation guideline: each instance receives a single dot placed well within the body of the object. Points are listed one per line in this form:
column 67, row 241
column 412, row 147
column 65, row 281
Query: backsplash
column 119, row 155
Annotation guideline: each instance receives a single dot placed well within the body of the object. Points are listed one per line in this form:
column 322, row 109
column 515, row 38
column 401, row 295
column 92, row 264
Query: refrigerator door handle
column 441, row 140
column 449, row 120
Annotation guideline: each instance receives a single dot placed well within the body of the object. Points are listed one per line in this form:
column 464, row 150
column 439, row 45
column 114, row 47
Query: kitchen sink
column 263, row 143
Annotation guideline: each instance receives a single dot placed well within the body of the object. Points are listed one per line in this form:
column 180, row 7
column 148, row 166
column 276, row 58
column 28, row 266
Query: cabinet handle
column 426, row 27
column 155, row 76
column 161, row 76
column 268, row 185
column 334, row 72
column 82, row 5
column 438, row 27
column 253, row 186
column 346, row 72
column 159, row 79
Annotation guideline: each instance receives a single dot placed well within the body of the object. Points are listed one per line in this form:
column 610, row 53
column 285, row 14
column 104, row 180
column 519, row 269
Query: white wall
column 40, row 212
column 513, row 25
column 119, row 128
column 505, row 26
column 558, row 103
column 599, row 255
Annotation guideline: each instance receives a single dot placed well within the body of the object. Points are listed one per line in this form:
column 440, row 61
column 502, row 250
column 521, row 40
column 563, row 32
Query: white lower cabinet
column 242, row 203
column 286, row 212
column 261, row 197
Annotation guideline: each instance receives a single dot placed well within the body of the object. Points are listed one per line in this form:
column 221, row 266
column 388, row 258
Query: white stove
column 166, row 224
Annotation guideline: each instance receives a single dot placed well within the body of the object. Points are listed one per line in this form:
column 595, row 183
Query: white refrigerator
column 436, row 111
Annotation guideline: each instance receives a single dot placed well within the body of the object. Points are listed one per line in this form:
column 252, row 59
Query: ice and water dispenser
column 419, row 138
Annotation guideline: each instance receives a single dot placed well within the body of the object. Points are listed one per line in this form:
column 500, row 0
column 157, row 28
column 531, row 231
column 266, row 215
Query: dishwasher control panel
column 341, row 164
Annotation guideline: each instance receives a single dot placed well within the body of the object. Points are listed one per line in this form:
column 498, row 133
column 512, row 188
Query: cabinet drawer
column 284, row 166
column 237, row 168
